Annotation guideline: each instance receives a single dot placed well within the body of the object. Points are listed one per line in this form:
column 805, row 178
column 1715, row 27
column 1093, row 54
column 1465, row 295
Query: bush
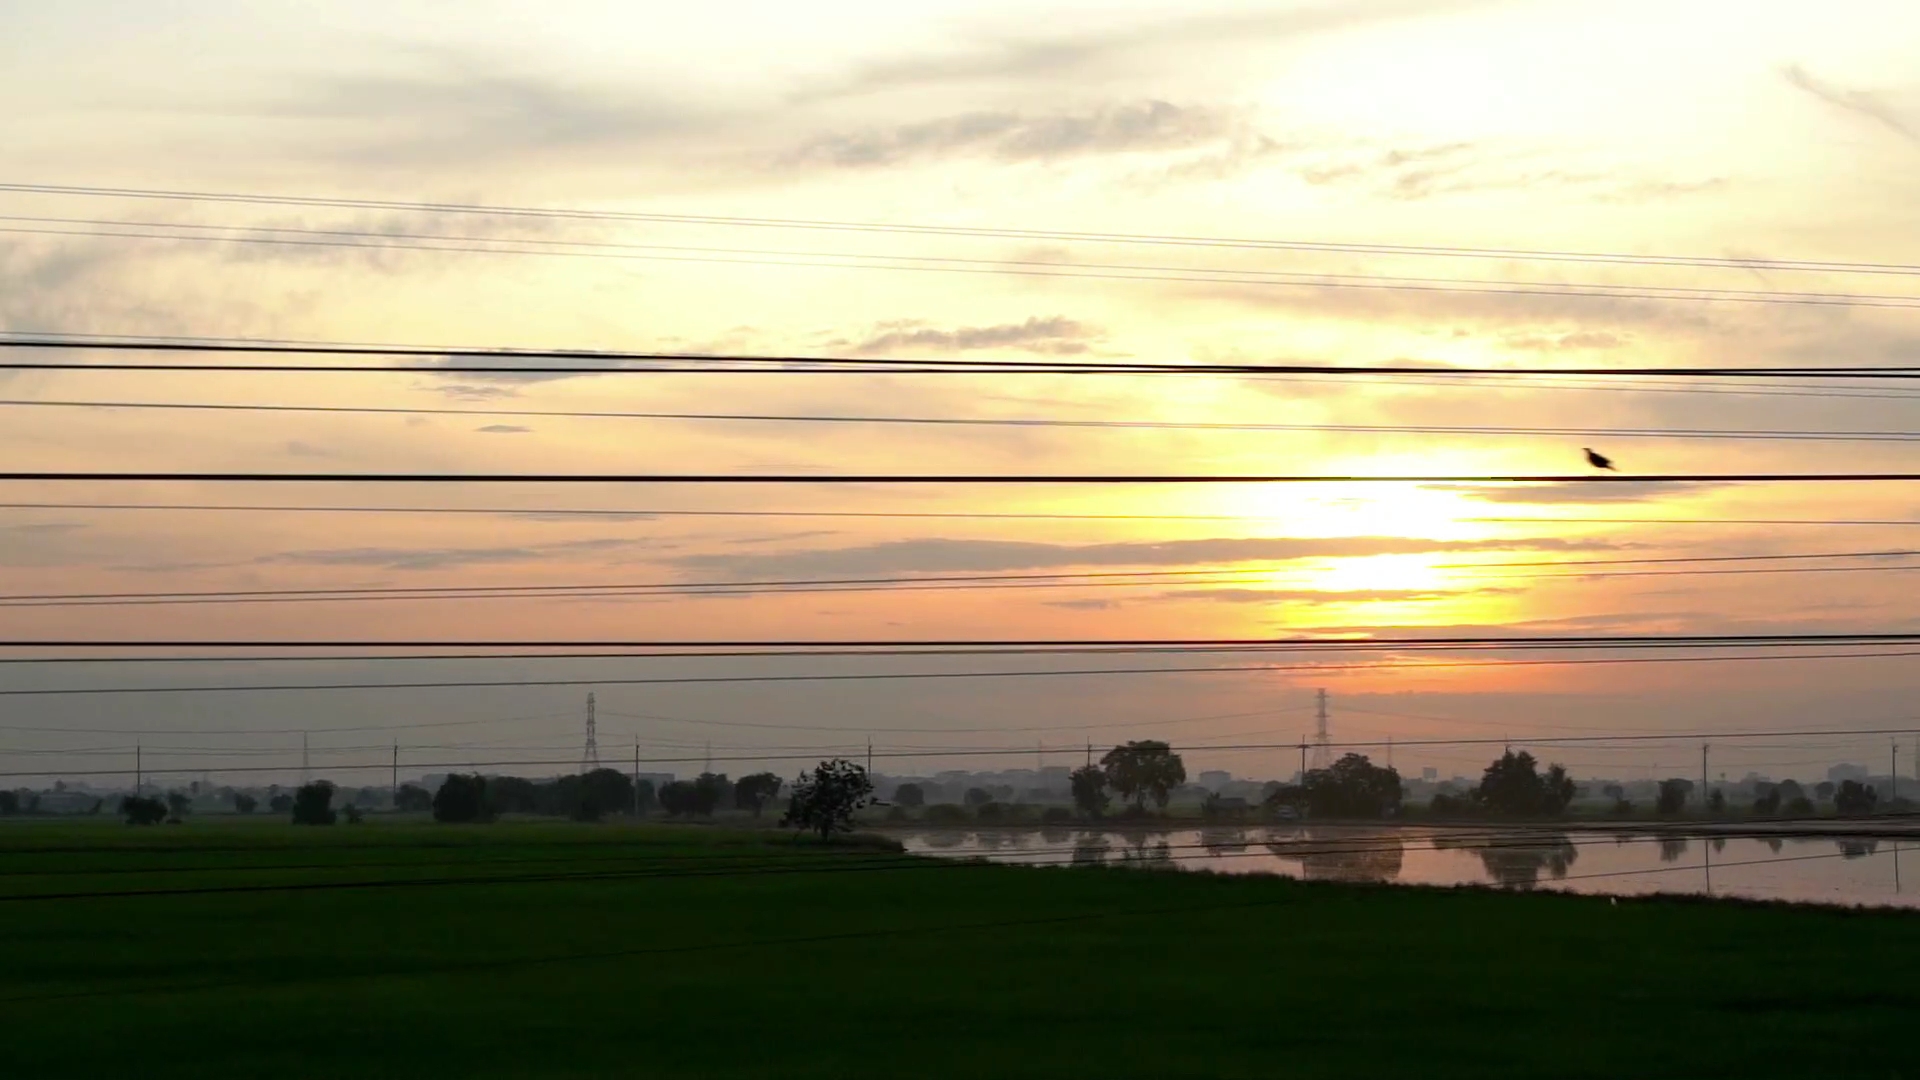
column 945, row 813
column 1445, row 805
column 1622, row 808
column 990, row 811
column 280, row 804
column 1799, row 806
column 910, row 795
column 244, row 803
column 412, row 798
column 1054, row 815
column 897, row 813
column 351, row 813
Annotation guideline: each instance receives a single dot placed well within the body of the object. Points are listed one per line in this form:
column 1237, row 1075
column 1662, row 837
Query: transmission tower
column 590, row 757
column 1322, row 749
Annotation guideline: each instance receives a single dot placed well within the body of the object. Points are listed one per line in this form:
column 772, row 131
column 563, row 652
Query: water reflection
column 1856, row 847
column 1224, row 841
column 1517, row 863
column 945, row 838
column 1672, row 847
column 1331, row 855
column 1773, row 844
column 1091, row 849
column 1147, row 853
column 1719, row 844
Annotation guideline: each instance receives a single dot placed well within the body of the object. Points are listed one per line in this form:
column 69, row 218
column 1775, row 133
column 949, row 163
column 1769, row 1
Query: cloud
column 1578, row 339
column 1011, row 136
column 987, row 556
column 1093, row 47
column 504, row 429
column 441, row 558
column 1626, row 491
column 1084, row 605
column 1055, row 336
column 1863, row 103
column 296, row 448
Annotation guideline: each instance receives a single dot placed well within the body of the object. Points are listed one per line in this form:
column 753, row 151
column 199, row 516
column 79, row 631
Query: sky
column 1750, row 131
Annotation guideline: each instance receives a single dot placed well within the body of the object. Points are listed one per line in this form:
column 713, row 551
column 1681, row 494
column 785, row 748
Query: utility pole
column 1303, row 759
column 138, row 776
column 1703, row 776
column 1893, row 769
column 1322, row 750
column 590, row 756
column 303, row 759
column 396, row 774
column 869, row 755
column 636, row 778
column 1089, row 753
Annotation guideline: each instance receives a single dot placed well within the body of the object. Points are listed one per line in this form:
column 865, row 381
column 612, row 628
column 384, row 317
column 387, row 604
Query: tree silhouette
column 1352, row 787
column 910, row 795
column 1673, row 796
column 412, row 798
column 177, row 805
column 1144, row 770
column 461, row 799
column 1089, row 790
column 313, row 804
column 244, row 803
column 756, row 791
column 1854, row 798
column 824, row 800
column 141, row 810
column 1513, row 787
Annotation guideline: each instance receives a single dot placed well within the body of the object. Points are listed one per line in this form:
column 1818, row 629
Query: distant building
column 1429, row 774
column 1847, row 771
column 1215, row 779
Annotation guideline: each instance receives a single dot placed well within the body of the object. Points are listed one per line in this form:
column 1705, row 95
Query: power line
column 935, row 478
column 1148, row 239
column 1013, row 422
column 654, row 512
column 222, row 688
column 445, row 357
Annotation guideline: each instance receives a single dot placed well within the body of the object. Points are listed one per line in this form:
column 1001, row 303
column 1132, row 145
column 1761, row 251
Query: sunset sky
column 1753, row 131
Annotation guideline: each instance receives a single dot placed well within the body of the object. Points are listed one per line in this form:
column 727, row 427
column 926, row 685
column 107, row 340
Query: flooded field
column 1822, row 869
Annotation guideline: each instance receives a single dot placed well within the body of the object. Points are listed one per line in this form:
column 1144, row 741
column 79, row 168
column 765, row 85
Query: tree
column 244, row 803
column 1144, row 770
column 977, row 796
column 1823, row 790
column 412, row 798
column 677, row 797
column 1089, row 790
column 824, row 800
column 313, row 804
column 280, row 804
column 599, row 791
column 1352, row 787
column 461, row 799
column 645, row 796
column 1673, row 796
column 9, row 804
column 1513, row 787
column 177, row 805
column 1854, row 798
column 1614, row 792
column 1717, row 801
column 1800, row 806
column 756, row 791
column 142, row 810
column 1791, row 790
column 711, row 789
column 910, row 795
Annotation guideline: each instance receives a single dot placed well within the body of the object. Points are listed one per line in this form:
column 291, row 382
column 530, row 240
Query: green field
column 581, row 950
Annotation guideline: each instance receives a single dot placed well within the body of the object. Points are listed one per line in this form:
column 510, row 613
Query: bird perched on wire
column 1599, row 461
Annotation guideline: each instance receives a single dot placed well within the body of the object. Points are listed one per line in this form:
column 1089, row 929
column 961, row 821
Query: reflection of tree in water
column 1856, row 847
column 946, row 838
column 991, row 841
column 1224, row 841
column 1773, row 844
column 1091, row 849
column 1145, row 853
column 1719, row 844
column 1672, row 847
column 1517, row 863
column 1344, row 856
column 1055, row 836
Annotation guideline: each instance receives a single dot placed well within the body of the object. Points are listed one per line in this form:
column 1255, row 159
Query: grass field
column 578, row 950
